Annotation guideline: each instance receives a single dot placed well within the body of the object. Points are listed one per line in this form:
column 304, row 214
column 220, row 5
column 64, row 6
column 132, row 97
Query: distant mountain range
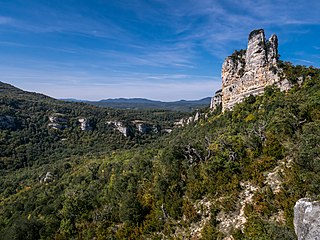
column 142, row 103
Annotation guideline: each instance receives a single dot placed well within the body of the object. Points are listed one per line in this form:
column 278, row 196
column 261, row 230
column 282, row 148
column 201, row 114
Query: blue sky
column 156, row 49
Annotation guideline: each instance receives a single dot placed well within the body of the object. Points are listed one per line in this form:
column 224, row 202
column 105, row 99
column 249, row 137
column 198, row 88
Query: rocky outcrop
column 237, row 219
column 216, row 100
column 248, row 72
column 144, row 127
column 122, row 128
column 48, row 177
column 57, row 121
column 136, row 127
column 192, row 119
column 84, row 124
column 167, row 130
column 307, row 219
column 202, row 209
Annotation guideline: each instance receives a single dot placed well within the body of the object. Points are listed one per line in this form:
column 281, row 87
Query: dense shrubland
column 154, row 190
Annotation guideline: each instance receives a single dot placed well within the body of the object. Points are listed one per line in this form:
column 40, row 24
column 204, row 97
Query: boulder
column 307, row 219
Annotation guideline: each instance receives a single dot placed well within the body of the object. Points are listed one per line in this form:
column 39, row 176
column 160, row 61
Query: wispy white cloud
column 215, row 25
column 6, row 20
column 39, row 47
column 211, row 24
column 44, row 17
column 57, row 83
column 158, row 42
column 303, row 61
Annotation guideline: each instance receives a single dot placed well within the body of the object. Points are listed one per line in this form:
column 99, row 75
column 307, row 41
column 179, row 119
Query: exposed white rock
column 300, row 80
column 274, row 180
column 136, row 126
column 156, row 128
column 248, row 72
column 120, row 127
column 167, row 130
column 216, row 100
column 196, row 117
column 49, row 177
column 278, row 217
column 180, row 123
column 57, row 121
column 189, row 120
column 275, row 177
column 272, row 50
column 237, row 220
column 185, row 121
column 203, row 209
column 143, row 127
column 84, row 124
column 307, row 219
column 229, row 238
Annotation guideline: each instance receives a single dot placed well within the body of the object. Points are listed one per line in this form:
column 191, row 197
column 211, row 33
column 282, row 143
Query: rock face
column 136, row 127
column 307, row 219
column 122, row 128
column 144, row 127
column 84, row 124
column 237, row 219
column 57, row 121
column 49, row 177
column 216, row 100
column 185, row 121
column 248, row 72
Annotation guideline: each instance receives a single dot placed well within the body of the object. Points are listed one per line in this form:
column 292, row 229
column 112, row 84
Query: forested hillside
column 235, row 173
column 142, row 104
column 36, row 129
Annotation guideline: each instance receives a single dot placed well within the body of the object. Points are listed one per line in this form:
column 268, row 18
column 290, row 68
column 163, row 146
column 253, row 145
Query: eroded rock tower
column 248, row 72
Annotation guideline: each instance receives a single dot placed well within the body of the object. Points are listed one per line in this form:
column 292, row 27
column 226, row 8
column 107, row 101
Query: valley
column 253, row 162
column 245, row 168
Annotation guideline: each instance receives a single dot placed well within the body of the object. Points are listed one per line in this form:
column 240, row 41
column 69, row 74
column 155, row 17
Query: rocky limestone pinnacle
column 272, row 50
column 248, row 72
column 256, row 54
column 216, row 100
